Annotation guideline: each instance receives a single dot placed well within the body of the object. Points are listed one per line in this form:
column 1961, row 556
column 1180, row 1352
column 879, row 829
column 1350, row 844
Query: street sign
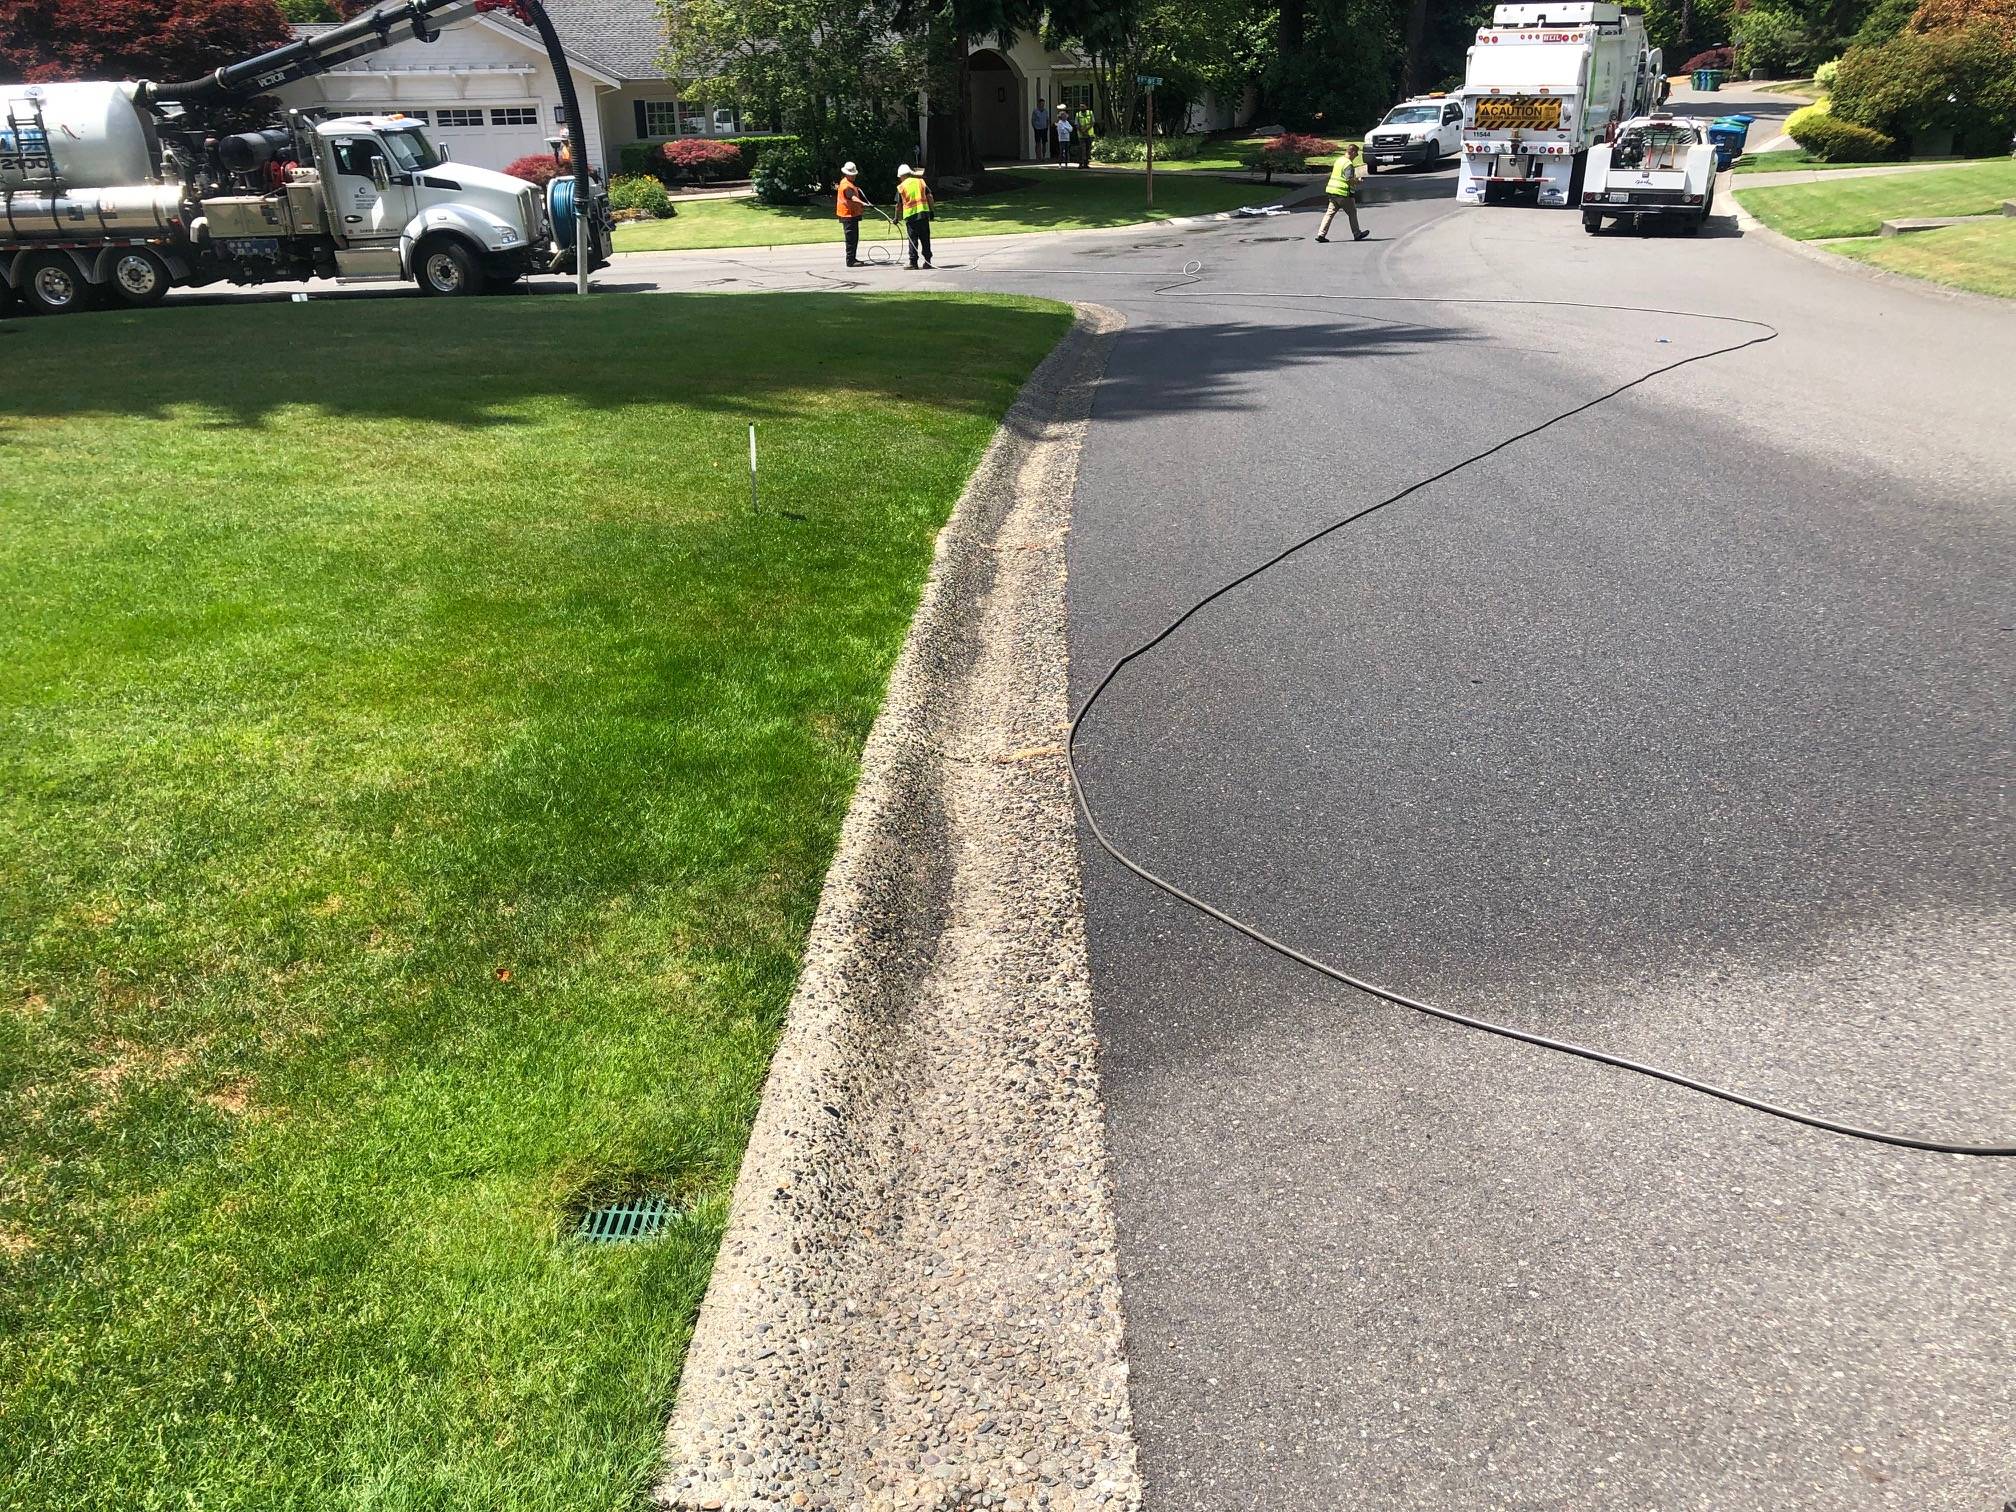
column 1148, row 81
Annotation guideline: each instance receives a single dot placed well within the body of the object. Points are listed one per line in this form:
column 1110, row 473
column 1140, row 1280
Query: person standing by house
column 848, row 203
column 1342, row 192
column 913, row 199
column 1039, row 129
column 1084, row 135
column 1063, row 134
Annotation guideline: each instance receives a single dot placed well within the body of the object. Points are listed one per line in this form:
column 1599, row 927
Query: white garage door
column 487, row 133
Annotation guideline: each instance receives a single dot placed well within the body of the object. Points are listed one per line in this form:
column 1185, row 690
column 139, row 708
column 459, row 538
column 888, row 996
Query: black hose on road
column 1252, row 932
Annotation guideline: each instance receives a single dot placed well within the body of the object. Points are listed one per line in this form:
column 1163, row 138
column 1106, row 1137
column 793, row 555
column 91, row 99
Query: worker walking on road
column 1342, row 191
column 913, row 197
column 848, row 203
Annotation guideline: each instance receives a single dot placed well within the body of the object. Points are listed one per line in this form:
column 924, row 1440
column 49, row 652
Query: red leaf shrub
column 1715, row 57
column 539, row 168
column 51, row 40
column 703, row 160
column 1287, row 153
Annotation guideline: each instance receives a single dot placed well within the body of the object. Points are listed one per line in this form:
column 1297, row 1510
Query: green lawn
column 1981, row 257
column 1795, row 160
column 1048, row 200
column 419, row 770
column 1859, row 206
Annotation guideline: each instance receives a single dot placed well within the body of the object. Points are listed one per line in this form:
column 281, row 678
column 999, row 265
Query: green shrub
column 1824, row 135
column 1824, row 74
column 1134, row 149
column 876, row 147
column 640, row 193
column 1918, row 84
column 785, row 175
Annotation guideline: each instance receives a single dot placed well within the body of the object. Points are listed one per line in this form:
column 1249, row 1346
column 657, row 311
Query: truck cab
column 398, row 208
column 1425, row 129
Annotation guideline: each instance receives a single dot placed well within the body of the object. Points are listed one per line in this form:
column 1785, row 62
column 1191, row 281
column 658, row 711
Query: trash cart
column 1728, row 135
column 1708, row 80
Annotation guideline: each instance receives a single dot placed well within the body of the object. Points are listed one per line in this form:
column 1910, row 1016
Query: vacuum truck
column 1545, row 82
column 123, row 191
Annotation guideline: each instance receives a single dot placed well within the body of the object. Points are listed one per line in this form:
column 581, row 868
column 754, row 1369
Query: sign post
column 1148, row 82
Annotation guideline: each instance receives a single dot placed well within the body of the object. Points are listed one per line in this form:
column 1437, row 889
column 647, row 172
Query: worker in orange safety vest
column 848, row 203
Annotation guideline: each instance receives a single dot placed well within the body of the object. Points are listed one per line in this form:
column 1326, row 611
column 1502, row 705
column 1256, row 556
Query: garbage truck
column 1543, row 84
column 120, row 191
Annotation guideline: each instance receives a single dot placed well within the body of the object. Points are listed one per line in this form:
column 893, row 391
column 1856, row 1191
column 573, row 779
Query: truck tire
column 445, row 267
column 139, row 278
column 1591, row 222
column 51, row 285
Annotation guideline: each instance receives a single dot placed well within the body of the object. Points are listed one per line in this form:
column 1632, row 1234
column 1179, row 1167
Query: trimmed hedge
column 1134, row 149
column 1832, row 140
column 703, row 160
column 646, row 155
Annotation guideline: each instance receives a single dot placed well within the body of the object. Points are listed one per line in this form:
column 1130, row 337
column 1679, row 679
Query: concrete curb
column 916, row 1305
column 1753, row 226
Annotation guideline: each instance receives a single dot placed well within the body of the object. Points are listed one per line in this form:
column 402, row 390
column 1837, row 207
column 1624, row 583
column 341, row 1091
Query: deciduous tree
column 47, row 40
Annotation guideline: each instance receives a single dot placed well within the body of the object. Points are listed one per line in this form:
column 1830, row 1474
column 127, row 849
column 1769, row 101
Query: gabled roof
column 624, row 36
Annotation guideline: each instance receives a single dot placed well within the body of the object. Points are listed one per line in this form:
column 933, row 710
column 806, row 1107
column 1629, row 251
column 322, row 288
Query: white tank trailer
column 121, row 191
column 1543, row 84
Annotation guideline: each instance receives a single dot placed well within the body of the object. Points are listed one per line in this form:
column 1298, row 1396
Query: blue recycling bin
column 1728, row 135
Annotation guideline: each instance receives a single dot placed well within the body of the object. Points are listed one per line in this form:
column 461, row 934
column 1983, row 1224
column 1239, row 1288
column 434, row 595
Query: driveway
column 1680, row 729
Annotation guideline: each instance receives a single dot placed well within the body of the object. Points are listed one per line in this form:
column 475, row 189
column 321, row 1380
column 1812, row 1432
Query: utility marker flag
column 752, row 469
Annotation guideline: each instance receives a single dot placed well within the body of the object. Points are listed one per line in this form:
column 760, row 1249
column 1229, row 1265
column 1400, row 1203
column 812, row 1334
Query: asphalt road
column 1682, row 729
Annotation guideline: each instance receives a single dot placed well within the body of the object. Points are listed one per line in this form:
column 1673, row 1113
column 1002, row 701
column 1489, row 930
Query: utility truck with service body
column 1544, row 84
column 1659, row 168
column 1423, row 130
column 125, row 190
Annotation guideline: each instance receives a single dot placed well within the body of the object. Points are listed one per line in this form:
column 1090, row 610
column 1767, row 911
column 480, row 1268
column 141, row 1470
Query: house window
column 458, row 117
column 692, row 118
column 1075, row 97
column 661, row 118
column 514, row 115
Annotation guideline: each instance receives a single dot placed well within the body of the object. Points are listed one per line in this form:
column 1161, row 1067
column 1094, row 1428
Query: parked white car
column 1659, row 167
column 1425, row 129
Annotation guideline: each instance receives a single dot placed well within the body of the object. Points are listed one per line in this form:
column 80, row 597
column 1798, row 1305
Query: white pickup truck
column 1659, row 167
column 1425, row 129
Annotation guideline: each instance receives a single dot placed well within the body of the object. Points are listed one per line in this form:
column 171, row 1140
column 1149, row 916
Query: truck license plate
column 1520, row 112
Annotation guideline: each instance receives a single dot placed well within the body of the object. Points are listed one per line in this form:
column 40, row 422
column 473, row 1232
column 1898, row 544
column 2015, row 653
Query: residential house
column 485, row 91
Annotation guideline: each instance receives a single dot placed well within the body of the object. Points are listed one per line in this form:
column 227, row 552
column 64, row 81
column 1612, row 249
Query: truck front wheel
column 139, row 278
column 52, row 285
column 447, row 267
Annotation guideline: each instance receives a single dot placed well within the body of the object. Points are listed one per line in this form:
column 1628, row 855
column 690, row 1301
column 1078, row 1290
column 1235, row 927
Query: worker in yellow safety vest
column 913, row 198
column 1342, row 192
column 848, row 203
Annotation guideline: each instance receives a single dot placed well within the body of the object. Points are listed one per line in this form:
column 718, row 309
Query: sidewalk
column 1824, row 175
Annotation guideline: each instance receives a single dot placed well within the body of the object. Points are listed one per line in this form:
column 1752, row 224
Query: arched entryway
column 996, row 87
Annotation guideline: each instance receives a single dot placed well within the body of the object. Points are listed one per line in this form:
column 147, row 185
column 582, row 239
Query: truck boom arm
column 306, row 56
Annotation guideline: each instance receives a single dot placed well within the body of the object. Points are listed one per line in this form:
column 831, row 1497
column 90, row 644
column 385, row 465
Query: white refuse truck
column 1545, row 83
column 121, row 191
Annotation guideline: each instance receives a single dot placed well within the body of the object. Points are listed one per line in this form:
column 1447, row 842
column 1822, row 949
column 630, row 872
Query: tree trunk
column 1293, row 29
column 952, row 151
column 1686, row 31
column 1411, row 80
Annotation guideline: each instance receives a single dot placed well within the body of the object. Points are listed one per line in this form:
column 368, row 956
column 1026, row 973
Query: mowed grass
column 420, row 767
column 1047, row 200
column 1859, row 206
column 1981, row 257
column 1795, row 160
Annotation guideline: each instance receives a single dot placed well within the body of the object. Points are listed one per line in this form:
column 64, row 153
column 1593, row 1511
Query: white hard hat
column 904, row 170
column 849, row 169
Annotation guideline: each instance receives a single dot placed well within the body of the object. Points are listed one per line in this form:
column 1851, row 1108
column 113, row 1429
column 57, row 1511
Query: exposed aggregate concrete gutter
column 916, row 1305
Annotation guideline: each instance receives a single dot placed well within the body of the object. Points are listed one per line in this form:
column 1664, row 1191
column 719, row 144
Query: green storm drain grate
column 618, row 1222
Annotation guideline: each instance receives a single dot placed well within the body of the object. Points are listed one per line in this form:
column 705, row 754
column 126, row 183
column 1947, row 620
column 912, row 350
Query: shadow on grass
column 484, row 363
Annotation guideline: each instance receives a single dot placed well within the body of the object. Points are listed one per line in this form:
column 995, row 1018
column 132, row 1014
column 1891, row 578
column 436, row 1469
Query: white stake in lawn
column 752, row 469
